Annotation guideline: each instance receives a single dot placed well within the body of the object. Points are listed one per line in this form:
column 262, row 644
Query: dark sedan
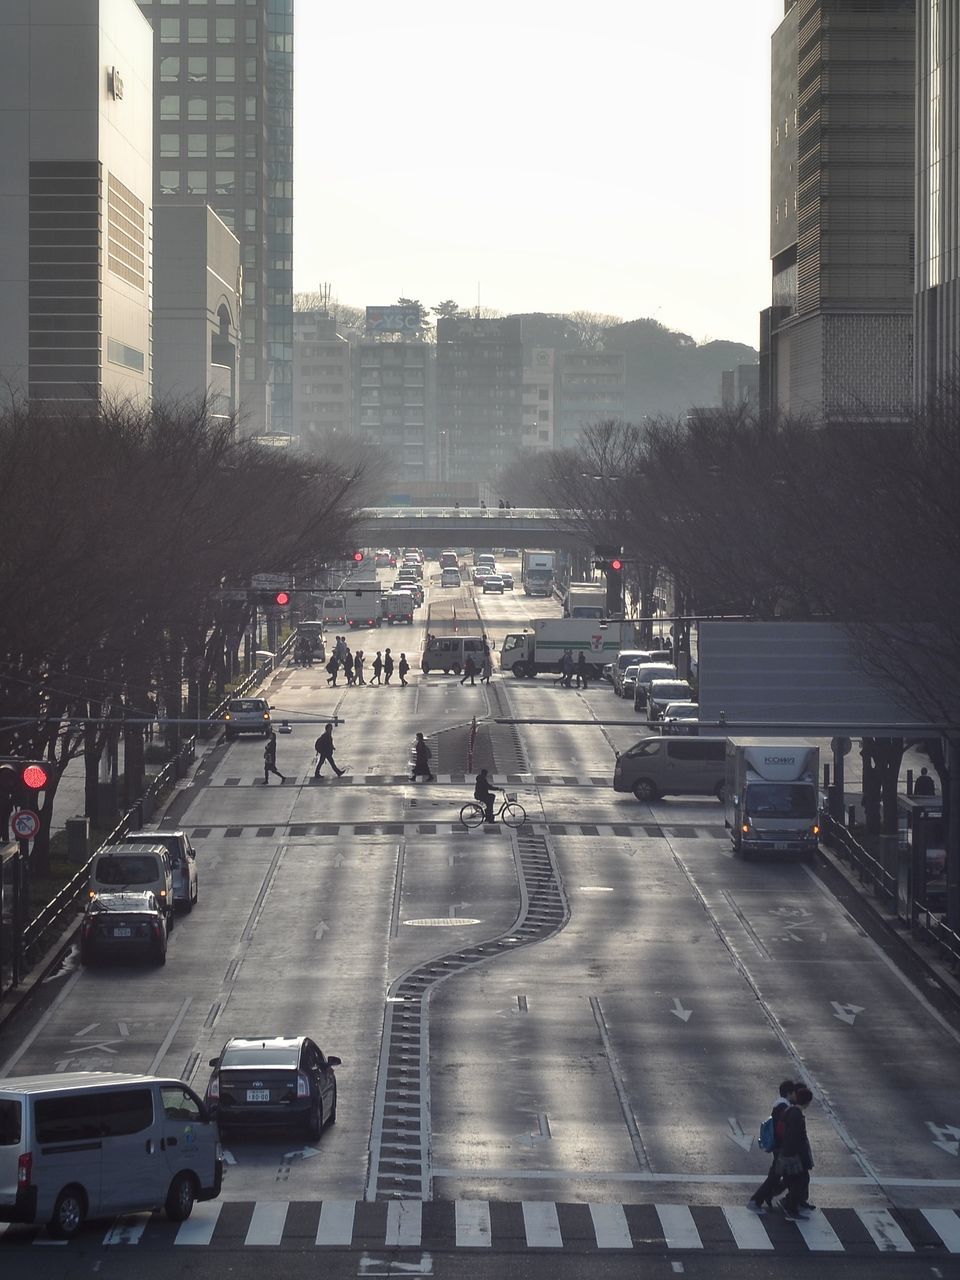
column 123, row 925
column 275, row 1081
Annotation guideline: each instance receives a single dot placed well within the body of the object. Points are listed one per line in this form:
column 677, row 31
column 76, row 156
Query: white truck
column 527, row 653
column 364, row 603
column 536, row 572
column 771, row 796
column 585, row 600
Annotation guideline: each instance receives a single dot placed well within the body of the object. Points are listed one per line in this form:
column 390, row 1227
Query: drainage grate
column 400, row 1141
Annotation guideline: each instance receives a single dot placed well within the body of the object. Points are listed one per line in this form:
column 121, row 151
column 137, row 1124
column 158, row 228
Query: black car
column 123, row 925
column 273, row 1081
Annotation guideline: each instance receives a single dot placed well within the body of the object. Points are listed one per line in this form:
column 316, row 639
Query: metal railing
column 932, row 928
column 868, row 868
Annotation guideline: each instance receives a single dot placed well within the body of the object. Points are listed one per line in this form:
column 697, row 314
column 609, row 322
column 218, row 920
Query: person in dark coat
column 581, row 671
column 924, row 785
column 387, row 666
column 358, row 661
column 348, row 666
column 402, row 668
column 484, row 793
column 270, row 759
column 421, row 760
column 377, row 668
column 325, row 750
column 796, row 1158
column 469, row 670
column 772, row 1185
column 333, row 666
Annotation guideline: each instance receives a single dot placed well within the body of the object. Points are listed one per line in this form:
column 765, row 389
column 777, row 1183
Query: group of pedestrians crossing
column 569, row 670
column 353, row 664
column 784, row 1135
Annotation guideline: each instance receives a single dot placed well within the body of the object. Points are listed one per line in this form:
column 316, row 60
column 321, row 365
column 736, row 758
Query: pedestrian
column 348, row 666
column 325, row 751
column 772, row 1185
column 484, row 793
column 358, row 661
column 377, row 665
column 487, row 669
column 924, row 785
column 566, row 669
column 387, row 666
column 469, row 670
column 341, row 648
column 270, row 759
column 402, row 668
column 796, row 1158
column 421, row 760
column 333, row 666
column 582, row 673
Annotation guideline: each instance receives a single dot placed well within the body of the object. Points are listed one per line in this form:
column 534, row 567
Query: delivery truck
column 771, row 796
column 527, row 653
column 364, row 605
column 537, row 569
column 585, row 600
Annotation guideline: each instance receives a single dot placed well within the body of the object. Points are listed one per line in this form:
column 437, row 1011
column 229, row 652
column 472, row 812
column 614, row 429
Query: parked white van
column 656, row 767
column 90, row 1143
column 448, row 653
column 145, row 868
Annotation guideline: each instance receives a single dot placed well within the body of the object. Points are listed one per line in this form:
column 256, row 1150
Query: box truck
column 772, row 799
column 364, row 606
column 527, row 653
column 536, row 572
column 585, row 600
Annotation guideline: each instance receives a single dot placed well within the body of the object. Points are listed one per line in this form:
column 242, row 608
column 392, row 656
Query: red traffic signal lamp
column 357, row 556
column 616, row 565
column 281, row 598
column 23, row 779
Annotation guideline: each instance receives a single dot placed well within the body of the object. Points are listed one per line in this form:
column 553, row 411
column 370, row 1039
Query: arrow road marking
column 303, row 1154
column 679, row 1011
column 123, row 1029
column 947, row 1139
column 338, row 859
column 846, row 1012
column 321, row 929
column 77, row 1035
column 737, row 1134
column 543, row 1133
column 229, row 1157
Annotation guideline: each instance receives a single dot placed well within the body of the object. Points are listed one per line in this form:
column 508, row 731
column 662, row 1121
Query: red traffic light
column 17, row 776
column 358, row 556
column 35, row 776
column 616, row 565
column 281, row 598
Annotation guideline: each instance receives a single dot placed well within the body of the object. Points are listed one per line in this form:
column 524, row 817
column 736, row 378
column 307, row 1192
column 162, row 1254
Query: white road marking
column 27, row 1041
column 947, row 1226
column 128, row 1229
column 947, row 1139
column 168, row 1038
column 404, row 1223
column 541, row 1224
column 266, row 1225
column 473, row 1224
column 336, row 1222
column 737, row 1135
column 746, row 1228
column 885, row 1231
column 679, row 1229
column 846, row 1012
column 721, row 1179
column 610, row 1226
column 199, row 1227
column 818, row 1235
column 679, row 1011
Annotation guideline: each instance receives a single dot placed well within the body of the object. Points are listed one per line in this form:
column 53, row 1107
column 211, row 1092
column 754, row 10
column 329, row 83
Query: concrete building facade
column 480, row 423
column 322, row 380
column 937, row 301
column 836, row 344
column 224, row 137
column 591, row 387
column 76, row 134
column 539, row 399
column 196, row 309
column 393, row 395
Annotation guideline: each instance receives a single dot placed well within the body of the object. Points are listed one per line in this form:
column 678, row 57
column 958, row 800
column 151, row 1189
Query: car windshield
column 126, row 869
column 246, row 704
column 668, row 690
column 683, row 709
column 261, row 1056
column 783, row 800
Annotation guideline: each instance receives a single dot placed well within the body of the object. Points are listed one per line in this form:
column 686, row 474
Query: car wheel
column 160, row 955
column 180, row 1198
column 519, row 669
column 645, row 789
column 188, row 906
column 315, row 1122
column 332, row 1117
column 69, row 1213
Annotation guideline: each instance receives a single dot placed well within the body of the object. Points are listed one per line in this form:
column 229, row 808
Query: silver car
column 183, row 863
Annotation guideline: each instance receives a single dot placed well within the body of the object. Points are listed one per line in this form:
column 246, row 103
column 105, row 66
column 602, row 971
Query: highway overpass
column 465, row 527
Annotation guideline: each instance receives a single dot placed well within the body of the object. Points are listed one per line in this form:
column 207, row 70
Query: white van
column 450, row 577
column 448, row 653
column 144, row 868
column 94, row 1143
column 656, row 767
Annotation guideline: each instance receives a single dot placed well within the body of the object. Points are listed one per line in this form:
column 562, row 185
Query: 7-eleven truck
column 527, row 653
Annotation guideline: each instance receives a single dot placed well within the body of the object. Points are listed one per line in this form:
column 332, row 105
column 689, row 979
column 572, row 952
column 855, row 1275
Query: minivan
column 450, row 577
column 139, row 867
column 87, row 1144
column 183, row 863
column 448, row 653
column 656, row 767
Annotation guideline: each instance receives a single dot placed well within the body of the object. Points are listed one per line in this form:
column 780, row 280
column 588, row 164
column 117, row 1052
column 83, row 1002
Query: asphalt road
column 601, row 1011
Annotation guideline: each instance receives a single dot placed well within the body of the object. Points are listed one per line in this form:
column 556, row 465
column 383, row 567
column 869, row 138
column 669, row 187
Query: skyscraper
column 224, row 137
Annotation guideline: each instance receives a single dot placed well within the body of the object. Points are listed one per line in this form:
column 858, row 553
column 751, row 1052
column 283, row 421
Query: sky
column 538, row 155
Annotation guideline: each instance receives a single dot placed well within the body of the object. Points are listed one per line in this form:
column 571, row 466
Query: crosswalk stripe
column 679, row 1229
column 818, row 1235
column 404, row 1223
column 885, row 1231
column 541, row 1224
column 473, row 1224
column 947, row 1226
column 610, row 1226
column 266, row 1225
column 336, row 1222
column 128, row 1229
column 746, row 1228
column 200, row 1226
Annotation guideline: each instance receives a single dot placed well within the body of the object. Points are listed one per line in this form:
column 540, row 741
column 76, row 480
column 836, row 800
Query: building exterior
column 937, row 299
column 196, row 308
column 836, row 344
column 740, row 387
column 224, row 137
column 479, row 396
column 322, row 380
column 393, row 395
column 539, row 399
column 76, row 122
column 591, row 386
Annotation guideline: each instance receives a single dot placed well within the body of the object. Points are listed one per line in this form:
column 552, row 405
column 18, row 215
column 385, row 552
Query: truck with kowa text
column 771, row 796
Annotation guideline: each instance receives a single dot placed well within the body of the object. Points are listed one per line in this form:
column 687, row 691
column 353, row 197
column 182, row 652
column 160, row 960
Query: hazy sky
column 557, row 156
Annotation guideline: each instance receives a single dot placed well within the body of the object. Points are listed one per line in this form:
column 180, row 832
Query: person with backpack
column 387, row 666
column 333, row 666
column 403, row 666
column 348, row 666
column 795, row 1158
column 771, row 1139
column 421, row 760
column 325, row 751
column 377, row 668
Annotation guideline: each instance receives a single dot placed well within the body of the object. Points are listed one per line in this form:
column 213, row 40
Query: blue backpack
column 767, row 1138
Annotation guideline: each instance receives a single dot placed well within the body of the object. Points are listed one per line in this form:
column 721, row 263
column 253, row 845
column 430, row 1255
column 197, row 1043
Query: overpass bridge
column 465, row 527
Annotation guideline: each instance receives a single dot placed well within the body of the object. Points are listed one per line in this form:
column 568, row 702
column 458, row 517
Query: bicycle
column 473, row 813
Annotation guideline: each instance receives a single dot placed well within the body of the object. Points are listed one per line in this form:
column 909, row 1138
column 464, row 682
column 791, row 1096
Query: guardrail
column 932, row 929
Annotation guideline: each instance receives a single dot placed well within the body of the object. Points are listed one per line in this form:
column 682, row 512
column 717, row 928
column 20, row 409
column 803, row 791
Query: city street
column 562, row 1038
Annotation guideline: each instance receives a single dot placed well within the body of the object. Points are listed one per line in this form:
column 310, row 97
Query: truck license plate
column 258, row 1095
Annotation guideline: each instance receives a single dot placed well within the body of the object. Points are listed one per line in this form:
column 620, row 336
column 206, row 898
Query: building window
column 249, row 219
column 249, row 255
column 197, row 69
column 250, row 25
column 226, row 70
column 196, row 145
column 169, row 30
column 169, row 106
column 226, row 182
column 169, row 145
column 249, row 183
column 126, row 241
column 169, row 69
column 250, row 146
column 197, row 109
column 250, row 109
column 197, row 30
column 544, row 393
column 196, row 182
column 169, row 182
column 249, row 369
column 226, row 29
column 129, row 357
column 249, row 290
column 226, row 146
column 226, row 108
column 250, row 70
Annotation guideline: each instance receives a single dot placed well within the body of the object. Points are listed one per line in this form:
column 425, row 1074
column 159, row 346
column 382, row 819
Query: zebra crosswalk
column 615, row 830
column 525, row 1225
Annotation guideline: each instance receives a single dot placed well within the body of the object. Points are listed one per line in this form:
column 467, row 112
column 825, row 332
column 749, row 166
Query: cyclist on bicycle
column 484, row 794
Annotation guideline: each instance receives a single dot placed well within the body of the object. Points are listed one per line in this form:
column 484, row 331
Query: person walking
column 377, row 665
column 358, row 661
column 924, row 785
column 270, row 759
column 403, row 666
column 469, row 670
column 325, row 751
column 796, row 1158
column 421, row 760
column 333, row 666
column 486, row 670
column 772, row 1185
column 582, row 671
column 566, row 668
column 348, row 666
column 484, row 793
column 387, row 666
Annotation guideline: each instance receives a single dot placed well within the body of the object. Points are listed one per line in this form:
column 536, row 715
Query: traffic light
column 22, row 780
column 610, row 560
column 281, row 598
column 357, row 557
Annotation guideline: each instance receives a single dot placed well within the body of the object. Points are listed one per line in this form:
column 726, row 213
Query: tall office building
column 224, row 137
column 322, row 381
column 837, row 343
column 937, row 301
column 76, row 134
column 479, row 396
column 393, row 394
column 591, row 387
